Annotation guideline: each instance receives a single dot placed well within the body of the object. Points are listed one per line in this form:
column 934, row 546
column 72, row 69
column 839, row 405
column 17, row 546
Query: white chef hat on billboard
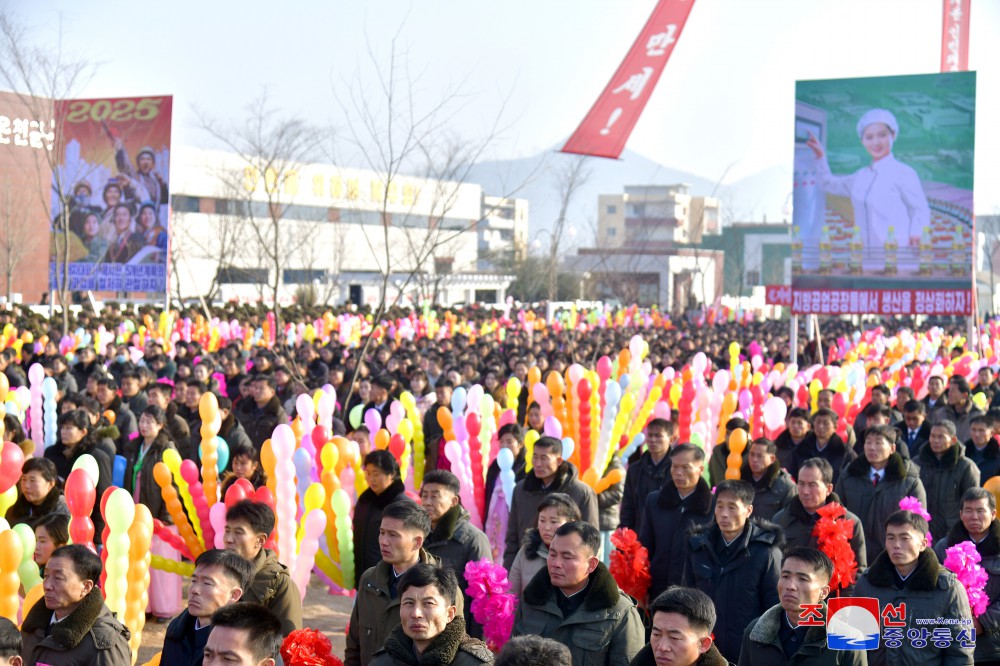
column 879, row 116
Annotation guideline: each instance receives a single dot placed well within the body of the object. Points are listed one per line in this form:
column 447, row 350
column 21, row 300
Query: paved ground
column 320, row 610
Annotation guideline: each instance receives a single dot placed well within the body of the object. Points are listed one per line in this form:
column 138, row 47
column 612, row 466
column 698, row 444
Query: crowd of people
column 734, row 562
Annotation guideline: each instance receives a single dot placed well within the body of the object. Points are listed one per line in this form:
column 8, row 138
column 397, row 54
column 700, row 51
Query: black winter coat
column 786, row 449
column 797, row 525
column 642, row 478
column 367, row 521
column 609, row 502
column 945, row 481
column 772, row 492
column 987, row 460
column 183, row 645
column 665, row 523
column 27, row 513
column 260, row 422
column 457, row 542
column 836, row 452
column 762, row 645
column 744, row 585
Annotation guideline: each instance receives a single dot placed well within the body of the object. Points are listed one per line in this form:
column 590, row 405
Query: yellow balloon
column 7, row 499
column 328, row 455
column 405, row 429
column 315, row 497
column 173, row 460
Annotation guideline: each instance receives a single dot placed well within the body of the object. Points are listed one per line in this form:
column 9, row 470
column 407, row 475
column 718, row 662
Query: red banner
column 887, row 302
column 609, row 123
column 955, row 36
column 778, row 294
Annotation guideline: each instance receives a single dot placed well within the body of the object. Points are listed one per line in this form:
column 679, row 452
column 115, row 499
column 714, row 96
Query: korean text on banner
column 955, row 36
column 609, row 123
column 117, row 165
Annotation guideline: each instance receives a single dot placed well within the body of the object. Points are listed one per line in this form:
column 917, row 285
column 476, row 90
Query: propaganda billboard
column 882, row 194
column 115, row 178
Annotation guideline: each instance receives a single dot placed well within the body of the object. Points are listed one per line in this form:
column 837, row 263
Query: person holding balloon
column 38, row 494
column 244, row 461
column 51, row 533
column 141, row 456
column 717, row 464
column 77, row 437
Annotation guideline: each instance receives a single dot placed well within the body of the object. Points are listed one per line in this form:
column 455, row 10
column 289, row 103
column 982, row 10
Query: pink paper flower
column 492, row 603
column 963, row 559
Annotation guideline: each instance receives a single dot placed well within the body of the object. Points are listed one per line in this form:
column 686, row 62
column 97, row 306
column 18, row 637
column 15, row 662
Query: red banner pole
column 955, row 36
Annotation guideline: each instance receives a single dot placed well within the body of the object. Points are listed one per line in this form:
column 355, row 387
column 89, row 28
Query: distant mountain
column 536, row 178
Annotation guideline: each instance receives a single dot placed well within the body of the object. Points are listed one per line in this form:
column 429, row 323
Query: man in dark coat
column 576, row 601
column 86, row 364
column 431, row 631
column 685, row 500
column 982, row 448
column 960, row 409
column 264, row 413
column 736, row 562
column 72, row 626
column 799, row 518
column 384, row 487
column 719, row 461
column 219, row 579
column 248, row 526
column 979, row 525
column 792, row 436
column 872, row 486
column 124, row 419
column 879, row 415
column 914, row 428
column 648, row 473
column 772, row 486
column 907, row 575
column 781, row 635
column 682, row 623
column 551, row 474
column 176, row 427
column 453, row 538
column 946, row 475
column 823, row 442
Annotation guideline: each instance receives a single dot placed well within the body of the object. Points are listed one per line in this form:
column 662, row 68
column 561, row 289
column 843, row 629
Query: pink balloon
column 374, row 422
column 553, row 428
column 540, row 393
column 661, row 410
column 189, row 471
column 774, row 412
column 217, row 517
column 604, row 368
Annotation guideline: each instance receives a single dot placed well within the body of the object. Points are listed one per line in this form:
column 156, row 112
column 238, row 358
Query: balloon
column 27, row 570
column 80, row 492
column 382, row 439
column 237, row 492
column 329, row 454
column 217, row 518
column 567, row 448
column 774, row 412
column 120, row 510
column 118, row 471
column 355, row 416
column 11, row 460
column 11, row 553
column 88, row 463
column 552, row 427
column 738, row 440
column 208, row 407
column 222, row 452
column 396, row 446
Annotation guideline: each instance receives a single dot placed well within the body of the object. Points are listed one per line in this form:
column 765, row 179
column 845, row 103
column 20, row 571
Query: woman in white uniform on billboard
column 886, row 193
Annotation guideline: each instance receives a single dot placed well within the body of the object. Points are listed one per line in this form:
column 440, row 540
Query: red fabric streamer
column 833, row 534
column 630, row 564
column 308, row 647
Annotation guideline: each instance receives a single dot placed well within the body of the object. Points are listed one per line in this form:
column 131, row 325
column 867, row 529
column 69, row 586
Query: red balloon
column 264, row 496
column 235, row 494
column 11, row 460
column 396, row 446
column 474, row 424
column 584, row 390
column 318, row 435
column 80, row 495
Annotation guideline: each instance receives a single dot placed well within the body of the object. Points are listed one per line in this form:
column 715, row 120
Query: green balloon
column 355, row 416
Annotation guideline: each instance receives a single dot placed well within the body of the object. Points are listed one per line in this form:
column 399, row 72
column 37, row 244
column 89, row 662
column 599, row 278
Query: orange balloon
column 267, row 458
column 110, row 416
column 382, row 439
column 534, row 374
column 993, row 485
column 444, row 419
column 10, row 551
column 162, row 475
column 554, row 382
column 738, row 441
column 31, row 598
column 590, row 477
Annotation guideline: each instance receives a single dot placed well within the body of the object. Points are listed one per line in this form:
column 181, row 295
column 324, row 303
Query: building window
column 443, row 265
column 233, row 275
column 184, row 204
column 612, row 209
column 303, row 275
column 612, row 231
column 753, row 278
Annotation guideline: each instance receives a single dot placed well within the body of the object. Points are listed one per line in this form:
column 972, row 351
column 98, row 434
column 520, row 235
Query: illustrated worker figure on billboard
column 885, row 194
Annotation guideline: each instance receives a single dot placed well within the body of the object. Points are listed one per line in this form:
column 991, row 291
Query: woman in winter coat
column 141, row 456
column 38, row 493
column 555, row 510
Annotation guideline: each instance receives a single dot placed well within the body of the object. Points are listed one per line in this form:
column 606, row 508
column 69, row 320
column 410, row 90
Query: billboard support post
column 793, row 338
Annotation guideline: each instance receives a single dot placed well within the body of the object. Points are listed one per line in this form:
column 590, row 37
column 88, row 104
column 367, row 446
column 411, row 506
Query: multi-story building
column 503, row 232
column 655, row 216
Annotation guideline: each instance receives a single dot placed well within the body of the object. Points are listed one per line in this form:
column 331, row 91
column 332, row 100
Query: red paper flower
column 630, row 564
column 833, row 534
column 308, row 647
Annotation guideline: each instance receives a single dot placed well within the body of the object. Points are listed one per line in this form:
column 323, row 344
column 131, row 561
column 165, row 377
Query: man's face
column 812, row 490
column 437, row 499
column 878, row 450
column 545, row 462
column 800, row 584
column 904, row 544
column 192, row 396
column 112, row 196
column 977, row 515
column 657, row 442
column 105, row 394
column 879, row 398
column 159, row 398
column 443, row 395
column 674, row 642
column 262, row 392
column 940, row 440
column 122, row 218
column 377, row 479
column 935, row 387
column 378, row 394
column 985, row 376
column 955, row 395
column 231, row 647
column 914, row 420
column 759, row 459
column 240, row 538
column 424, row 613
column 130, row 386
column 824, row 400
column 877, row 420
column 397, row 543
column 62, row 587
column 211, row 589
column 981, row 434
column 798, row 428
column 731, row 513
column 824, row 427
column 145, row 163
column 570, row 562
column 685, row 470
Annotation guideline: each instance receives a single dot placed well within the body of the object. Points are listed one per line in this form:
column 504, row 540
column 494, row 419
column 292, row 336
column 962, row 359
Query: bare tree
column 40, row 77
column 271, row 149
column 17, row 237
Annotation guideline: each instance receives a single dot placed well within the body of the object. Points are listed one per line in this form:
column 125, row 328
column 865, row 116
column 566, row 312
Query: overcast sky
column 724, row 100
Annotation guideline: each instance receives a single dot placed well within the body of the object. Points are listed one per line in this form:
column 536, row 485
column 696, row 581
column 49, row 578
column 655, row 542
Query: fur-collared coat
column 665, row 523
column 605, row 631
column 931, row 592
column 457, row 542
column 798, row 524
column 452, row 647
column 762, row 645
column 88, row 636
column 743, row 585
column 772, row 492
column 874, row 504
column 945, row 480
